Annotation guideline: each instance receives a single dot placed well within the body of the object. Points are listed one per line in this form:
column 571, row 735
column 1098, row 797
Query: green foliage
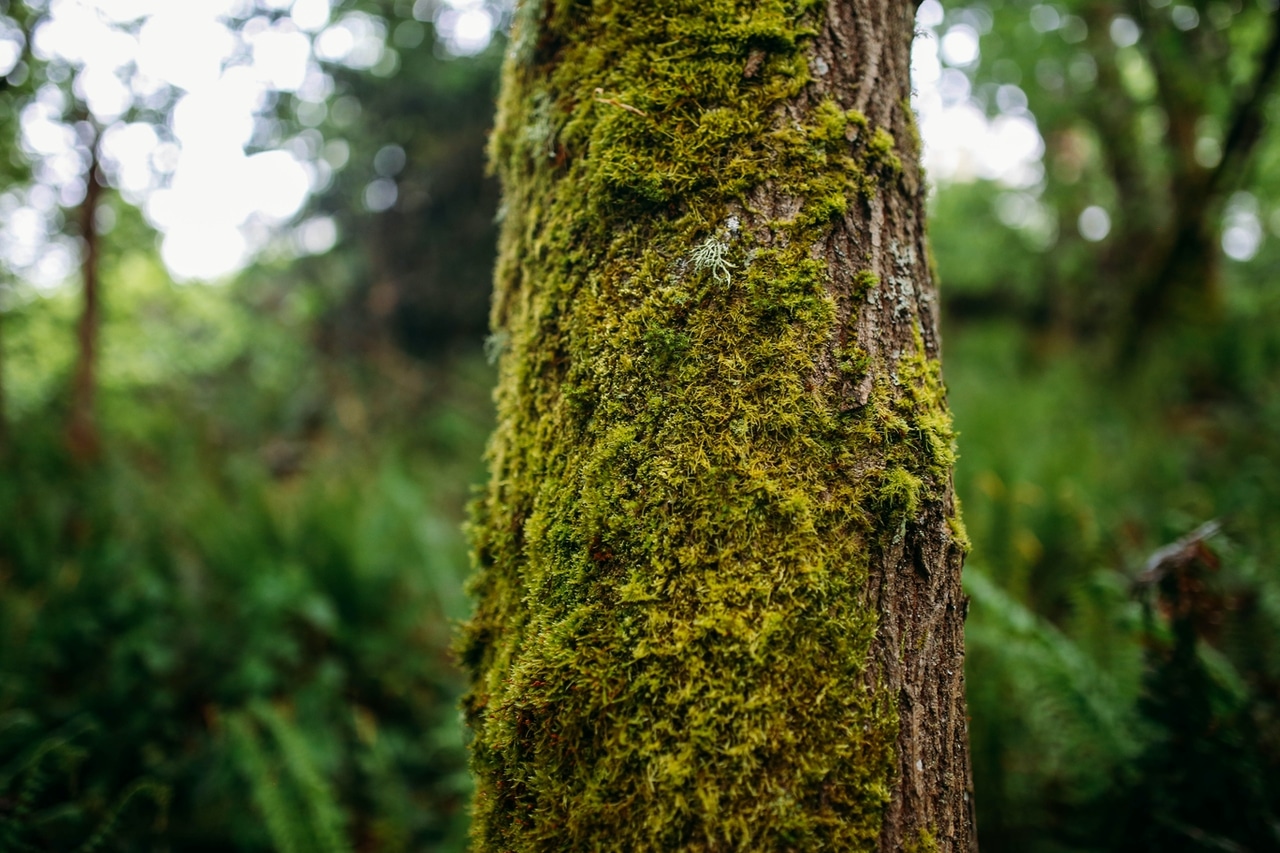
column 295, row 800
column 255, row 585
column 30, row 778
column 1088, row 732
column 234, row 597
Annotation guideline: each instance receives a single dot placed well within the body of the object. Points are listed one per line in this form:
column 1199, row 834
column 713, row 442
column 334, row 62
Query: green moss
column 880, row 150
column 959, row 533
column 853, row 361
column 920, row 417
column 900, row 492
column 925, row 842
column 863, row 283
column 670, row 640
column 666, row 346
column 913, row 146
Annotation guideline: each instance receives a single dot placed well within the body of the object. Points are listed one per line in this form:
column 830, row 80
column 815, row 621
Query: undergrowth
column 1099, row 724
column 206, row 647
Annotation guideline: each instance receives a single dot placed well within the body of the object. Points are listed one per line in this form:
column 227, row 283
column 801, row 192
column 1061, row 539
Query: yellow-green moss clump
column 669, row 648
column 924, row 842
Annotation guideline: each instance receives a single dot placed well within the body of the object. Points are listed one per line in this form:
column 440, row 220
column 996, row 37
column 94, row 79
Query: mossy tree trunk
column 718, row 559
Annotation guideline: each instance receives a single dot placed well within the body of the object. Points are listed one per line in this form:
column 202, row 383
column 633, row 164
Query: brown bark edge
column 915, row 582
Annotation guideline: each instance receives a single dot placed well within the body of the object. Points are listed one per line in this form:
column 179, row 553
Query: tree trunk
column 82, row 429
column 4, row 412
column 718, row 559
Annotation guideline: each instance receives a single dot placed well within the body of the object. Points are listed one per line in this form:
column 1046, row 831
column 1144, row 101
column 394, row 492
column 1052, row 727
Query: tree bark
column 717, row 591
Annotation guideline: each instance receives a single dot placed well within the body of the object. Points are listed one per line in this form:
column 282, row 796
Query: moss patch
column 670, row 640
column 922, row 843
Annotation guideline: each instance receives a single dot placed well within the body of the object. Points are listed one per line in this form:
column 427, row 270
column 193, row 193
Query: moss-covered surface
column 924, row 842
column 670, row 644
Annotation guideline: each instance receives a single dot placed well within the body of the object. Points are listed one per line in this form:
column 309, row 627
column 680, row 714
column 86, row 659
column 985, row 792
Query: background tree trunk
column 718, row 560
column 82, row 428
column 4, row 412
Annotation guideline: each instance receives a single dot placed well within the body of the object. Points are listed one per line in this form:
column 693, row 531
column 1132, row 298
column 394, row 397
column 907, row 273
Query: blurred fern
column 1053, row 723
column 1201, row 783
column 180, row 577
column 35, row 773
column 297, row 804
column 105, row 831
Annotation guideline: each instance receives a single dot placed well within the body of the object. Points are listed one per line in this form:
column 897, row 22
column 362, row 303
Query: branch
column 1246, row 124
column 1179, row 554
column 1196, row 203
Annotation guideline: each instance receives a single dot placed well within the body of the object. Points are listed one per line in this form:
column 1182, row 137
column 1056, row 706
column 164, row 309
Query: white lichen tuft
column 712, row 256
column 495, row 345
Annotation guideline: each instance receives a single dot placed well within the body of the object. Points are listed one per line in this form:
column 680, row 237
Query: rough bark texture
column 718, row 559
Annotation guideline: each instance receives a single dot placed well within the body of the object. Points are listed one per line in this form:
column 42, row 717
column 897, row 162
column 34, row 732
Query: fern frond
column 1074, row 723
column 1060, row 661
column 287, row 831
column 60, row 742
column 314, row 791
column 104, row 831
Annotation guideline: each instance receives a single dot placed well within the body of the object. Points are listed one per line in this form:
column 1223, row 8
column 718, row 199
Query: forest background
column 233, row 478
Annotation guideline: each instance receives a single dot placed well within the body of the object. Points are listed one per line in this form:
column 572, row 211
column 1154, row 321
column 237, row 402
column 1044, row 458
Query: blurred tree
column 404, row 141
column 1152, row 113
column 29, row 75
column 15, row 87
column 718, row 558
column 389, row 121
column 413, row 197
column 1198, row 86
column 82, row 427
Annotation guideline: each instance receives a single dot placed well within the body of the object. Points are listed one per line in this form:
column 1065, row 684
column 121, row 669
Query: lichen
column 670, row 643
column 712, row 255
